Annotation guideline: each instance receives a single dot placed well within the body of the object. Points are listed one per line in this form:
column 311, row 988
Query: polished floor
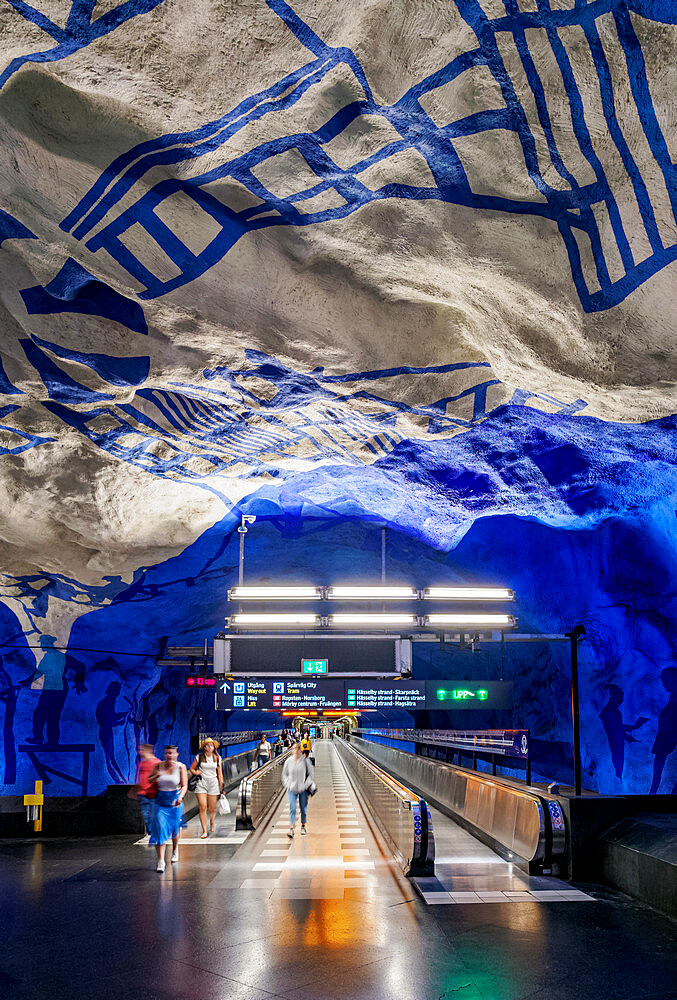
column 339, row 857
column 323, row 917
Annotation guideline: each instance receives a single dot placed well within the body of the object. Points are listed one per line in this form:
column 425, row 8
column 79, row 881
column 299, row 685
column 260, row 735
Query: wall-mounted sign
column 454, row 695
column 465, row 693
column 200, row 680
column 314, row 666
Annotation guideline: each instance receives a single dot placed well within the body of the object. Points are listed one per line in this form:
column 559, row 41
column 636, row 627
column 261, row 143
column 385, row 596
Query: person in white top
column 297, row 777
column 263, row 751
column 207, row 768
column 171, row 779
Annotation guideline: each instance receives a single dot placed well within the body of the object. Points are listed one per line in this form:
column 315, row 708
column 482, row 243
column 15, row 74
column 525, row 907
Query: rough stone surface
column 408, row 264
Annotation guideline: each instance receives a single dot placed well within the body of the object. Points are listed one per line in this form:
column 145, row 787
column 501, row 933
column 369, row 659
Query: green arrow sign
column 314, row 666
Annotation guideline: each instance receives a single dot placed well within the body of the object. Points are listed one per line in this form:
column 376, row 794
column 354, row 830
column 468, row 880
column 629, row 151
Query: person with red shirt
column 146, row 789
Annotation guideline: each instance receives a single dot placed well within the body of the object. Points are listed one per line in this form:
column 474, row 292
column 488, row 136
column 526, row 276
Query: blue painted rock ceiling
column 408, row 263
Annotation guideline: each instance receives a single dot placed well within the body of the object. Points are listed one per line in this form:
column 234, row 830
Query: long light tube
column 273, row 620
column 468, row 594
column 274, row 593
column 367, row 620
column 472, row 620
column 372, row 594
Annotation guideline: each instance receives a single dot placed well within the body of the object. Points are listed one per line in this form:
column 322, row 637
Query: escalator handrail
column 422, row 861
column 244, row 818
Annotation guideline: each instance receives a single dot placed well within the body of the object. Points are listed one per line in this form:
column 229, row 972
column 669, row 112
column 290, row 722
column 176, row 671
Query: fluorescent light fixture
column 468, row 621
column 468, row 594
column 372, row 594
column 273, row 620
column 377, row 620
column 274, row 594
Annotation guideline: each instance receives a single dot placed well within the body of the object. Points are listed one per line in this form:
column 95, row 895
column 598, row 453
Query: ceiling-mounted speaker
column 221, row 656
column 403, row 651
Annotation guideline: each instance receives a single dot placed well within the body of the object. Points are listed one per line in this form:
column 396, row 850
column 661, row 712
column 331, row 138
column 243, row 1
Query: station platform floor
column 327, row 916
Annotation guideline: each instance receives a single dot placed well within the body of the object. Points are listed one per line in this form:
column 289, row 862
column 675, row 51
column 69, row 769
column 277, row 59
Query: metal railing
column 518, row 821
column 401, row 815
column 227, row 739
column 514, row 744
column 259, row 792
column 232, row 770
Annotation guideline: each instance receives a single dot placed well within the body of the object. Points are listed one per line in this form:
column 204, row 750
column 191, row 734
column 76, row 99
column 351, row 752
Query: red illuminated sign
column 199, row 680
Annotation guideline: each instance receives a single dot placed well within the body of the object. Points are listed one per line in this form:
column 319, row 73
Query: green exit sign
column 314, row 666
column 462, row 694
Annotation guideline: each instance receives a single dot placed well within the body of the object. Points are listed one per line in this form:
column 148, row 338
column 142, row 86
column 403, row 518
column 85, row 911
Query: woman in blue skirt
column 171, row 780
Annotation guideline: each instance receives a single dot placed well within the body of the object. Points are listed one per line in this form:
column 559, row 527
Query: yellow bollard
column 36, row 799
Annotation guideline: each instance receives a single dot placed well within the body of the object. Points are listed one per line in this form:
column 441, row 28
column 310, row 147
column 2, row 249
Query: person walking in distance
column 207, row 767
column 171, row 778
column 263, row 751
column 145, row 789
column 298, row 779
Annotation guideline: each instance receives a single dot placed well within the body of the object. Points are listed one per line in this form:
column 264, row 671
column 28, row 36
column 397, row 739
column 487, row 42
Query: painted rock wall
column 408, row 264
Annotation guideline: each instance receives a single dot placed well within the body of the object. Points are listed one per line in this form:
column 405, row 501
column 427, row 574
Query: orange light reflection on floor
column 328, row 923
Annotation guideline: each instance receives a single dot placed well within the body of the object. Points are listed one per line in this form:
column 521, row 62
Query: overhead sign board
column 307, row 692
column 288, row 692
column 253, row 657
column 452, row 695
column 466, row 692
column 408, row 695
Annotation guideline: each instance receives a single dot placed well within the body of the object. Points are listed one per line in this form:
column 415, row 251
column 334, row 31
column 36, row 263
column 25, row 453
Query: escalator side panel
column 512, row 819
column 405, row 823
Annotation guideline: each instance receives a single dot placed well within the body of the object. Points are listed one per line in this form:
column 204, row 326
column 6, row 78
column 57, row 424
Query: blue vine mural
column 586, row 214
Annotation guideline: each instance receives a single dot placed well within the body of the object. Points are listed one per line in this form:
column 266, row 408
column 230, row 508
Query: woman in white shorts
column 207, row 766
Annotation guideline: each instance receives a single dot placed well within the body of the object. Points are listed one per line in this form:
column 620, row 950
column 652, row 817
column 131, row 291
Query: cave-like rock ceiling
column 410, row 261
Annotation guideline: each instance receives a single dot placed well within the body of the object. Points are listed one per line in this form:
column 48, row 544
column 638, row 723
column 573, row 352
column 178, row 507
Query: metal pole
column 242, row 531
column 575, row 711
column 383, row 563
column 529, row 759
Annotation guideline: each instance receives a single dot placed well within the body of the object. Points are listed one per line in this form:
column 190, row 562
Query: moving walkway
column 520, row 823
column 401, row 815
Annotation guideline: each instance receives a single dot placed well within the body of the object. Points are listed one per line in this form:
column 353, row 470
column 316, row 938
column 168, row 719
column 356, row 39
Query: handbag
column 222, row 805
column 192, row 781
column 312, row 788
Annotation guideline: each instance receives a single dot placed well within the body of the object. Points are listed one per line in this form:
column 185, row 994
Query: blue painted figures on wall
column 618, row 732
column 108, row 720
column 89, row 724
column 54, row 679
column 666, row 737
